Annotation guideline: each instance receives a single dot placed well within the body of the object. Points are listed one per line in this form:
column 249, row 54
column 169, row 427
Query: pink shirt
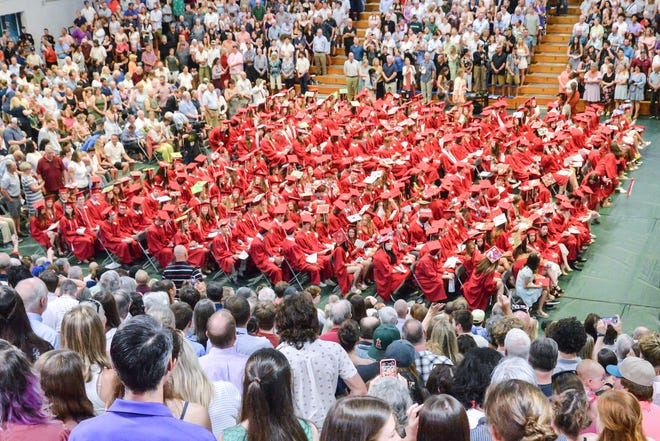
column 53, row 431
column 650, row 419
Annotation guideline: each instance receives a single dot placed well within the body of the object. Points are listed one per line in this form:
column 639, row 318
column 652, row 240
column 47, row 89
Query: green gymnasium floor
column 622, row 275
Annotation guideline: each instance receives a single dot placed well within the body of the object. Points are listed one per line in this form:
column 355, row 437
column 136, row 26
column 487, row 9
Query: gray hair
column 61, row 264
column 163, row 314
column 75, row 272
column 154, row 299
column 31, row 290
column 123, row 301
column 513, row 368
column 413, row 331
column 128, row 284
column 340, row 312
column 266, row 295
column 396, row 394
column 68, row 287
column 387, row 316
column 517, row 343
column 623, row 345
column 5, row 262
column 109, row 281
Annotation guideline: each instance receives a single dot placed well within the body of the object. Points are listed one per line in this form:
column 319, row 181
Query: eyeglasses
column 95, row 303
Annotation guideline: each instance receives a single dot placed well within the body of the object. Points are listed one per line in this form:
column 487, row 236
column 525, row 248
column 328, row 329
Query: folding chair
column 109, row 262
column 220, row 273
column 298, row 277
column 141, row 239
column 461, row 277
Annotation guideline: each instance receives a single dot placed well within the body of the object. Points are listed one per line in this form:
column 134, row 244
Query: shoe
column 552, row 303
column 330, row 282
column 363, row 286
column 21, row 234
column 323, row 284
column 581, row 259
column 541, row 314
column 355, row 290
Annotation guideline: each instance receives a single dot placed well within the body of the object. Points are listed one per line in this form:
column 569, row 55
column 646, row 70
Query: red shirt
column 52, row 172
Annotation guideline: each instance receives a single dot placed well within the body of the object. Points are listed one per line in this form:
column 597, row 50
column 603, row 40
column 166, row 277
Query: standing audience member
column 22, row 414
column 63, row 384
column 267, row 406
column 316, row 364
column 141, row 353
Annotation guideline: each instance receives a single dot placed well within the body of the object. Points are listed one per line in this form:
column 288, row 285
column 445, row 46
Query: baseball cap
column 635, row 370
column 402, row 351
column 478, row 316
column 384, row 335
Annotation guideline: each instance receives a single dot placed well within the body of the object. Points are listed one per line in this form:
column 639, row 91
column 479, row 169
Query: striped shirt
column 181, row 272
column 31, row 196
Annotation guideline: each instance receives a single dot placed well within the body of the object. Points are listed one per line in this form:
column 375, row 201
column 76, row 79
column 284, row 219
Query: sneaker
column 330, row 282
column 355, row 290
column 322, row 284
column 552, row 303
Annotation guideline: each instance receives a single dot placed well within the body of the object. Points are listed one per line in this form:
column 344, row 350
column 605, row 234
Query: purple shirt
column 132, row 420
column 224, row 365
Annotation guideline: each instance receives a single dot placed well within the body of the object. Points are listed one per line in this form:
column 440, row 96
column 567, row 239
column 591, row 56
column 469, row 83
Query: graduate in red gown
column 389, row 274
column 80, row 240
column 482, row 285
column 40, row 223
column 430, row 274
column 124, row 247
column 267, row 264
column 160, row 244
column 224, row 248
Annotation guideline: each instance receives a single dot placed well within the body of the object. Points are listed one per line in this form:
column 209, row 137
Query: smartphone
column 610, row 320
column 388, row 368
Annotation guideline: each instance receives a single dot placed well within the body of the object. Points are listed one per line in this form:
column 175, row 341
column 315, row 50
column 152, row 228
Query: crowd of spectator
column 113, row 354
column 614, row 56
column 117, row 355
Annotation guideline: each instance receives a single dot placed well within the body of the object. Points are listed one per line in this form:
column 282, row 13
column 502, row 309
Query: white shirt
column 224, row 406
column 315, row 369
column 185, row 80
column 114, row 152
column 56, row 310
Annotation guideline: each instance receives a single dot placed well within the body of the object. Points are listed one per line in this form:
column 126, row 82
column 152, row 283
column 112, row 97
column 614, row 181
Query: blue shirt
column 199, row 349
column 44, row 331
column 247, row 344
column 131, row 420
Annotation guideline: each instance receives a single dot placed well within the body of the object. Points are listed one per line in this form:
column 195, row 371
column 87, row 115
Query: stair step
column 552, row 49
column 534, row 89
column 561, row 19
column 339, row 80
column 550, row 58
column 566, row 28
column 557, row 38
column 555, row 68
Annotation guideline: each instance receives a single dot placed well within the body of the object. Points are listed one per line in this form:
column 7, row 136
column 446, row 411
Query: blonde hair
column 442, row 340
column 620, row 415
column 83, row 332
column 188, row 379
column 518, row 411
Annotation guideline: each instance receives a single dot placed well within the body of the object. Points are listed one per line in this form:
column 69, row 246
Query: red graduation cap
column 290, row 227
column 280, row 209
column 434, row 246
